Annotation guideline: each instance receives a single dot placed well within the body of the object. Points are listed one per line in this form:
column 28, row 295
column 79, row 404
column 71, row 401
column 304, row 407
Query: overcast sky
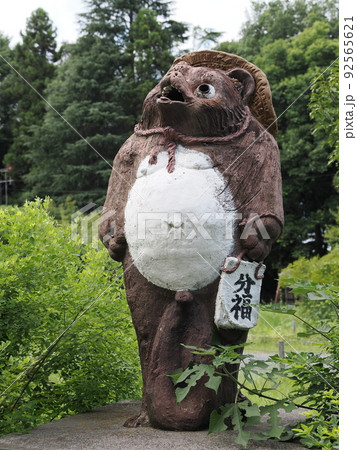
column 221, row 15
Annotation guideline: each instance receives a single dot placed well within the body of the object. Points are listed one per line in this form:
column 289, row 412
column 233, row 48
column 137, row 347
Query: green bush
column 318, row 269
column 66, row 339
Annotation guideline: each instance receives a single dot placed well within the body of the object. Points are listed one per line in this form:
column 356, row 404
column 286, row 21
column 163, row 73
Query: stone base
column 103, row 428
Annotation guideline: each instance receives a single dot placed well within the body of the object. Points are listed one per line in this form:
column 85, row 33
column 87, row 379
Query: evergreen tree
column 5, row 104
column 33, row 59
column 293, row 43
column 124, row 48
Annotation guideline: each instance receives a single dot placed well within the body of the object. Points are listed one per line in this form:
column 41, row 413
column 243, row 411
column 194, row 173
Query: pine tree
column 33, row 60
column 5, row 104
column 124, row 48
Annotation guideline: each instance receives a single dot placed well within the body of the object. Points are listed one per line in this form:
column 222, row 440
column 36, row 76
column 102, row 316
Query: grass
column 264, row 338
column 282, row 389
column 272, row 328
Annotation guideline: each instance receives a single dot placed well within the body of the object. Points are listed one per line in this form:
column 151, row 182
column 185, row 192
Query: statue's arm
column 111, row 229
column 263, row 216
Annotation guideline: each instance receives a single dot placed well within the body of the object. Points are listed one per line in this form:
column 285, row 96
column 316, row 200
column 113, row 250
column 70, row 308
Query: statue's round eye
column 205, row 90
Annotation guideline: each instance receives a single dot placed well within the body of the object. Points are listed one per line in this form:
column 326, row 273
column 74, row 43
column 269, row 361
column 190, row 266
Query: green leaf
column 235, row 413
column 195, row 374
column 216, row 422
column 179, row 375
column 289, row 407
column 243, row 438
column 274, row 418
column 214, row 382
column 175, row 375
column 318, row 295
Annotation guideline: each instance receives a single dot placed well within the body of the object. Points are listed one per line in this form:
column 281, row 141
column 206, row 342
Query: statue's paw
column 256, row 249
column 139, row 420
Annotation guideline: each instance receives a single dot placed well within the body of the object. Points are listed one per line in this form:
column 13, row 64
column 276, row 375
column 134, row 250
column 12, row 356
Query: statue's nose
column 176, row 78
column 176, row 75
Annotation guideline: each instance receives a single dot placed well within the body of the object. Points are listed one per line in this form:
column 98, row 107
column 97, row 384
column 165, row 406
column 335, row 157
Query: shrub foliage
column 67, row 344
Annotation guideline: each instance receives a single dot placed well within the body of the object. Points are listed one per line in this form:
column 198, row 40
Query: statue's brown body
column 250, row 165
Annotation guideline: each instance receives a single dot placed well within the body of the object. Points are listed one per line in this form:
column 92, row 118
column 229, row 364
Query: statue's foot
column 139, row 420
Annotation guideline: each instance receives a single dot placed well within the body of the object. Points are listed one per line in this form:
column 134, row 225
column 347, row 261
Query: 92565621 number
column 348, row 47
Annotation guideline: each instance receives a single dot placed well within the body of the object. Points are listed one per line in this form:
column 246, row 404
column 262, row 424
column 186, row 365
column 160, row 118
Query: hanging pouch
column 238, row 294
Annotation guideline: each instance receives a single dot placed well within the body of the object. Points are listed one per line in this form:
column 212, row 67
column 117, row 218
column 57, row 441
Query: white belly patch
column 179, row 225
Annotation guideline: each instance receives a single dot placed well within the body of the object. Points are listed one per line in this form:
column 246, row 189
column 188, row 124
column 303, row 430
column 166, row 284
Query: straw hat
column 260, row 104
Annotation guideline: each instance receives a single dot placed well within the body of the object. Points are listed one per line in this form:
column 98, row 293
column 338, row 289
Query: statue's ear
column 247, row 86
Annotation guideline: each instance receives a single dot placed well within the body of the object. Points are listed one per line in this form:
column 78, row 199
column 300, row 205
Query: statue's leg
column 147, row 304
column 228, row 388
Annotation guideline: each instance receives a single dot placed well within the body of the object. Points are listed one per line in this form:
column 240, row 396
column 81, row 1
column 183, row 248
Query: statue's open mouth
column 170, row 93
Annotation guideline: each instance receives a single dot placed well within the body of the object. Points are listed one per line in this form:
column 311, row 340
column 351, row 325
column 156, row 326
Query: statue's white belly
column 179, row 225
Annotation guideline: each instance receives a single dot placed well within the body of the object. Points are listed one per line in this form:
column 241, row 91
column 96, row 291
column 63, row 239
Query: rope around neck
column 170, row 137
